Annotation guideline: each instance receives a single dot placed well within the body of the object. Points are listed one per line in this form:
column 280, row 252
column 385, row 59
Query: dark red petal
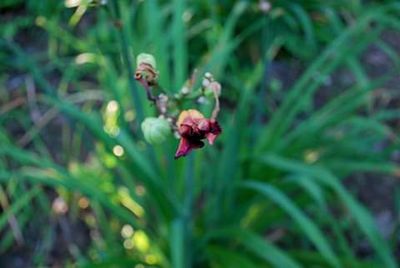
column 185, row 130
column 203, row 125
column 215, row 128
column 186, row 145
column 211, row 138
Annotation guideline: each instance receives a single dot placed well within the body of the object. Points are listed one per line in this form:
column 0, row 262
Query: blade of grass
column 260, row 247
column 303, row 221
column 35, row 175
column 126, row 56
column 359, row 213
column 316, row 192
column 229, row 258
column 177, row 242
column 19, row 204
column 178, row 33
column 325, row 64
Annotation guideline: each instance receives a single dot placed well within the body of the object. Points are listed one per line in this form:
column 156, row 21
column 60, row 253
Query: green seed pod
column 147, row 59
column 155, row 130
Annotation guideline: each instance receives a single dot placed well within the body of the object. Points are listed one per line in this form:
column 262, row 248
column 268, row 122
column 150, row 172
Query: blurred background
column 304, row 174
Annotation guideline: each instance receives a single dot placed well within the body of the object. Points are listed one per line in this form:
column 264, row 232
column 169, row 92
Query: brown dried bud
column 146, row 69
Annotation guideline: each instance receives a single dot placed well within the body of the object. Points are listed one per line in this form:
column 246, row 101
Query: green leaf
column 359, row 213
column 262, row 248
column 177, row 242
column 303, row 221
column 229, row 258
column 19, row 204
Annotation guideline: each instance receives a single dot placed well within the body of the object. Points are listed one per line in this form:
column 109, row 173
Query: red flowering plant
column 191, row 126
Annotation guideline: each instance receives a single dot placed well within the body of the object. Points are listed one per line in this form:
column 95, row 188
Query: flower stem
column 216, row 107
column 188, row 206
column 127, row 61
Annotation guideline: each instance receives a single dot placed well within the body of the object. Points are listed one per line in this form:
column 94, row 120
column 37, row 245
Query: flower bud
column 205, row 82
column 162, row 103
column 208, row 76
column 146, row 59
column 155, row 130
column 146, row 71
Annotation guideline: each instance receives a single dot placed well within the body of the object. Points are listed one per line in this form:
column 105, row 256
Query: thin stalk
column 187, row 213
column 126, row 57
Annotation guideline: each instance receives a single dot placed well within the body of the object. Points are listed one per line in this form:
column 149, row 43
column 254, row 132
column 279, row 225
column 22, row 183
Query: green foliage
column 270, row 193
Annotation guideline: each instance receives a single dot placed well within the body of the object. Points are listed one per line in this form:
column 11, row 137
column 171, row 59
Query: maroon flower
column 193, row 127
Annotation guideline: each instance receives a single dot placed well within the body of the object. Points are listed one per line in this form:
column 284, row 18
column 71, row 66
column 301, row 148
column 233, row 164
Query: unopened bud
column 208, row 75
column 146, row 59
column 185, row 90
column 207, row 79
column 162, row 103
column 264, row 6
column 202, row 99
column 205, row 82
column 146, row 71
column 155, row 130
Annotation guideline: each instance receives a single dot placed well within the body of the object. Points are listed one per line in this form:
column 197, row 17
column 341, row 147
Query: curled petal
column 203, row 125
column 185, row 130
column 214, row 127
column 186, row 145
column 211, row 138
column 146, row 75
column 193, row 128
column 188, row 115
column 214, row 131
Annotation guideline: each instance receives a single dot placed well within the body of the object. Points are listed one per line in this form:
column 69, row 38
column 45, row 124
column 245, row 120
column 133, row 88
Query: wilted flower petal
column 193, row 127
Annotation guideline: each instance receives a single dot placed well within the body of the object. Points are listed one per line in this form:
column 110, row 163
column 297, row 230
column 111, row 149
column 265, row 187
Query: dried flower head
column 146, row 69
column 193, row 127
